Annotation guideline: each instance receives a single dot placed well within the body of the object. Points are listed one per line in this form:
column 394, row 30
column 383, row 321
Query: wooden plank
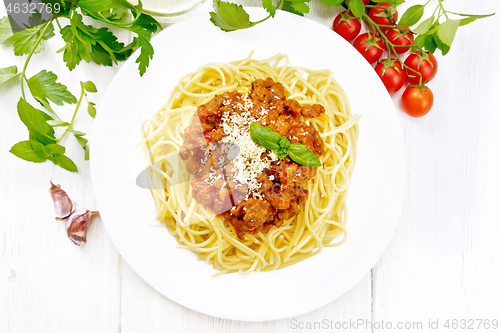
column 443, row 260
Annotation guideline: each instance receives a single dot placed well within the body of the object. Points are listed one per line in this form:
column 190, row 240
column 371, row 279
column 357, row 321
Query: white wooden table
column 442, row 263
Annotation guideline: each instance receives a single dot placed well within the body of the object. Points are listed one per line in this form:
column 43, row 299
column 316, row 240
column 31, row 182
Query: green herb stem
column 70, row 126
column 23, row 73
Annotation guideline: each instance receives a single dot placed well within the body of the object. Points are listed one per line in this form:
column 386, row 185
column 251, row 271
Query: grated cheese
column 252, row 159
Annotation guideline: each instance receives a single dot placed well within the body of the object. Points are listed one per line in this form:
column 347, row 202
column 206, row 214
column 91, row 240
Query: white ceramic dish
column 375, row 197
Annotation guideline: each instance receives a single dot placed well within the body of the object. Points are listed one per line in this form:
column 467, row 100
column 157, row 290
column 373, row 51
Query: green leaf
column 229, row 16
column 299, row 6
column 8, row 73
column 303, row 155
column 5, row 29
column 146, row 54
column 64, row 162
column 282, row 153
column 265, row 136
column 29, row 150
column 56, row 149
column 25, row 40
column 333, row 3
column 284, row 143
column 412, row 15
column 426, row 42
column 392, row 2
column 36, row 122
column 98, row 5
column 447, row 31
column 76, row 133
column 83, row 142
column 43, row 86
column 89, row 86
column 440, row 45
column 57, row 123
column 84, row 42
column 288, row 8
column 423, row 27
column 91, row 109
column 357, row 8
column 471, row 18
column 269, row 7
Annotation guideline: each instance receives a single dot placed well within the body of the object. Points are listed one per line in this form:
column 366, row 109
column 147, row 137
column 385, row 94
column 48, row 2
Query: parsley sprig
column 83, row 42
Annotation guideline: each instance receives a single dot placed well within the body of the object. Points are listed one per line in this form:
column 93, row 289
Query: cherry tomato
column 425, row 64
column 370, row 46
column 366, row 2
column 347, row 26
column 392, row 74
column 381, row 16
column 417, row 100
column 400, row 36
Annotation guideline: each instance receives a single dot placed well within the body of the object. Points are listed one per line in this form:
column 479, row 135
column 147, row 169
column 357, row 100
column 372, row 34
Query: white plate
column 375, row 196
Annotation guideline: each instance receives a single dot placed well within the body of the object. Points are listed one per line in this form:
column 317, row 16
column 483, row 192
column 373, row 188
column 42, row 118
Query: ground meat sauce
column 278, row 194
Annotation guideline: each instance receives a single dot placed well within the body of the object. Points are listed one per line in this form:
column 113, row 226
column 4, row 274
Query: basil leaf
column 357, row 8
column 29, row 150
column 265, row 136
column 412, row 15
column 284, row 143
column 423, row 27
column 471, row 18
column 303, row 155
column 427, row 42
column 440, row 45
column 36, row 121
column 281, row 153
column 56, row 149
column 64, row 162
column 333, row 3
column 446, row 31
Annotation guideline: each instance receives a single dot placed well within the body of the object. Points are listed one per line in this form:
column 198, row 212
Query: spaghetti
column 321, row 219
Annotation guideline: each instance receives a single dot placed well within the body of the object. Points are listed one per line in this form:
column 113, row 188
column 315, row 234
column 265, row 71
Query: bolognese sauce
column 254, row 190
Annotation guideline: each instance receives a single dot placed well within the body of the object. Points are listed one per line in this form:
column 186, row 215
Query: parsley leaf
column 269, row 7
column 43, row 86
column 8, row 73
column 84, row 42
column 146, row 53
column 288, row 8
column 25, row 40
column 5, row 29
column 99, row 5
column 36, row 122
column 29, row 150
column 300, row 6
column 230, row 16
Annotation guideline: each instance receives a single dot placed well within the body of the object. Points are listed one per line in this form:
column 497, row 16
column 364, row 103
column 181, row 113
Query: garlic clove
column 77, row 225
column 62, row 203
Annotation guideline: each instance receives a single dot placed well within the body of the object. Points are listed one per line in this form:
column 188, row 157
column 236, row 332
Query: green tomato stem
column 390, row 46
